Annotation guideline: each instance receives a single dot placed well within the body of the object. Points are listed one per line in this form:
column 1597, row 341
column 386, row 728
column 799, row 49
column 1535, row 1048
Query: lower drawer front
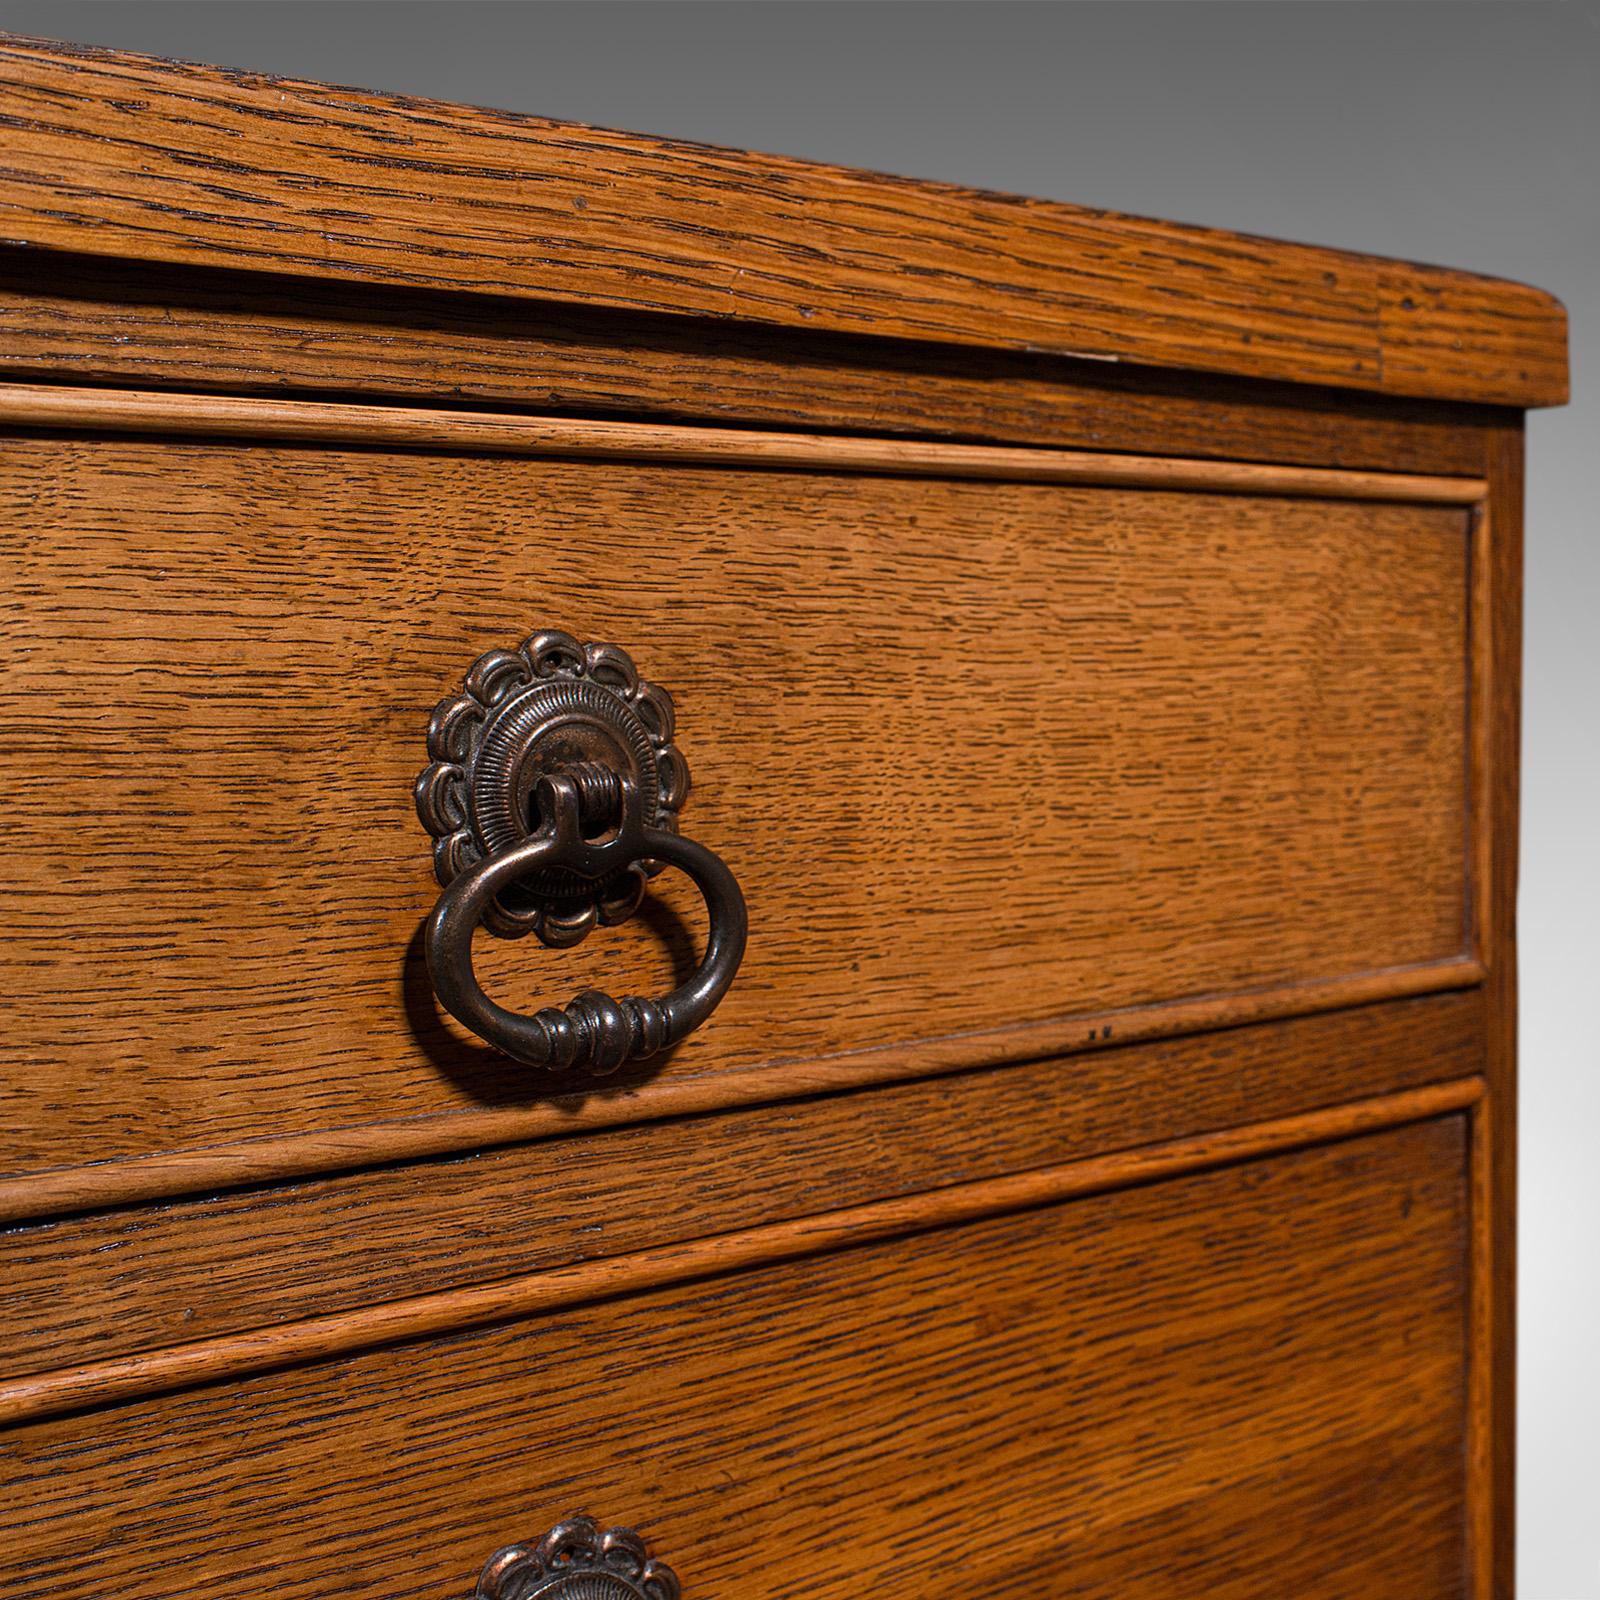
column 1250, row 1382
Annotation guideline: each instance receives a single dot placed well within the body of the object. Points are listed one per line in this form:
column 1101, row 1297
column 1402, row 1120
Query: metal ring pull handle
column 593, row 1032
column 553, row 796
column 578, row 1560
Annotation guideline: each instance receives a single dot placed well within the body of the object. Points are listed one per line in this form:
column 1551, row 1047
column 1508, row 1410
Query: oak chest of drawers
column 1037, row 1113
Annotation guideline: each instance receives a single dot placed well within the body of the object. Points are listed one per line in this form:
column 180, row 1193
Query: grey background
column 1466, row 134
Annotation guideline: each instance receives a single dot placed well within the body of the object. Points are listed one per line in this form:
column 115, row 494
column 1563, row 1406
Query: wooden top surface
column 119, row 155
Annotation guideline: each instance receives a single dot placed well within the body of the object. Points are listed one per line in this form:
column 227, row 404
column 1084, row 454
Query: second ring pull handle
column 553, row 795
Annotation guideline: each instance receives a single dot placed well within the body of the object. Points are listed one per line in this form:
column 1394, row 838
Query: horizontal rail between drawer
column 403, row 427
column 169, row 1175
column 30, row 1398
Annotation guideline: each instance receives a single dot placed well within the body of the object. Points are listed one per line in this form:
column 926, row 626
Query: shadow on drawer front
column 981, row 754
column 1246, row 1382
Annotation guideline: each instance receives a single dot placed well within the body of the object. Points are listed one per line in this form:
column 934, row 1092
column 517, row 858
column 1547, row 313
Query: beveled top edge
column 129, row 156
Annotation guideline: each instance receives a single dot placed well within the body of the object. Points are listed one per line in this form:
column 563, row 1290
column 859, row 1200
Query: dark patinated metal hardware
column 577, row 1560
column 553, row 796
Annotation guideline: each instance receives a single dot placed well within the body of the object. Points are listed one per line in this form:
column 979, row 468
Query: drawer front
column 1242, row 1383
column 88, row 1288
column 983, row 755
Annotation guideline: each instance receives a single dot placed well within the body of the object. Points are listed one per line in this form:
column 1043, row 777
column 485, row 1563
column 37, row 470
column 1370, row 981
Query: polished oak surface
column 119, row 322
column 996, row 753
column 1091, row 1398
column 116, row 155
column 1100, row 1179
column 141, row 1277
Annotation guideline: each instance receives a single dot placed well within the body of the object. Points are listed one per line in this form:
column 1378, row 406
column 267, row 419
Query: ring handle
column 594, row 1032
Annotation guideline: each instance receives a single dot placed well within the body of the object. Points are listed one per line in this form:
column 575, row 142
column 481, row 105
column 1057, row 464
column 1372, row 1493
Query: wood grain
column 1250, row 1381
column 1130, row 728
column 119, row 1378
column 1484, row 1450
column 114, row 155
column 131, row 324
column 308, row 421
column 272, row 1158
column 1051, row 757
column 139, row 1277
column 1499, row 1162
